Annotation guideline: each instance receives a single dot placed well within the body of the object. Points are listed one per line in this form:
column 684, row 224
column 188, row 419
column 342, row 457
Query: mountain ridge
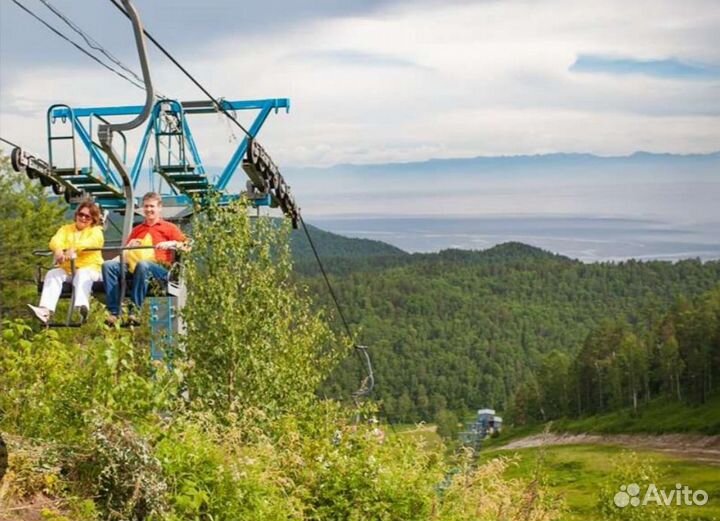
column 639, row 155
column 348, row 249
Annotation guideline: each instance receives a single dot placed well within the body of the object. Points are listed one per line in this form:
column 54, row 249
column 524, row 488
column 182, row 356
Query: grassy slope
column 659, row 417
column 426, row 433
column 576, row 472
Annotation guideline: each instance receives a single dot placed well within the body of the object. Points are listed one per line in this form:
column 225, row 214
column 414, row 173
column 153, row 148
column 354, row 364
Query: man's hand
column 59, row 256
column 130, row 244
column 167, row 245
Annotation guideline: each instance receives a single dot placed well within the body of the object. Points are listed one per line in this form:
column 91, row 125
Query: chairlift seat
column 158, row 288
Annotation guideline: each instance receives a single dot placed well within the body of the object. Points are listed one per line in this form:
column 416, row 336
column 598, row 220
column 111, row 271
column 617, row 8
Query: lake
column 588, row 239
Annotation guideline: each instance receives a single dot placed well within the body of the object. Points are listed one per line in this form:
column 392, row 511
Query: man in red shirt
column 164, row 236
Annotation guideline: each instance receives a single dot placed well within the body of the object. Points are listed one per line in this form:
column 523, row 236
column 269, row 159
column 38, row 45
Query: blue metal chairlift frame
column 83, row 130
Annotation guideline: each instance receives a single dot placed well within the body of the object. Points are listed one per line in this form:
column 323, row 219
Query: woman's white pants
column 83, row 281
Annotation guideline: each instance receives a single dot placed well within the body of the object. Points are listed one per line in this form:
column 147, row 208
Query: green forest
column 536, row 335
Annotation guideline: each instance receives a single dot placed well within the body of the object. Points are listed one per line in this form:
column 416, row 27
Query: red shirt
column 160, row 231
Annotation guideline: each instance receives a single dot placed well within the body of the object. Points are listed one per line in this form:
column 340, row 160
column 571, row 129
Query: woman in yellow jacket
column 70, row 242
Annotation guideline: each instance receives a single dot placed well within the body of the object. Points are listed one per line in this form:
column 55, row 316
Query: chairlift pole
column 105, row 131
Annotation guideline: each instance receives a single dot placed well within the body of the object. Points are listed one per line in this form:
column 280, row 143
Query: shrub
column 130, row 482
column 631, row 468
column 481, row 493
column 51, row 388
column 251, row 335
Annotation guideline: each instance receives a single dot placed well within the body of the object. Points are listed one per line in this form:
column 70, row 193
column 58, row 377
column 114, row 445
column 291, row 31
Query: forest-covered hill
column 460, row 330
column 331, row 246
column 457, row 330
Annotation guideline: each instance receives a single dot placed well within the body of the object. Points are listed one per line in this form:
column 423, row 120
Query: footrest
column 171, row 169
column 187, row 182
column 82, row 180
column 186, row 178
column 64, row 172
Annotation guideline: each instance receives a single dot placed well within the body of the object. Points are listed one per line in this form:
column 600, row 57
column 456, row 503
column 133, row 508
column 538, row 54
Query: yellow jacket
column 70, row 237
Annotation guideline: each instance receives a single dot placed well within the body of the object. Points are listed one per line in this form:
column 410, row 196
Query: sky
column 393, row 81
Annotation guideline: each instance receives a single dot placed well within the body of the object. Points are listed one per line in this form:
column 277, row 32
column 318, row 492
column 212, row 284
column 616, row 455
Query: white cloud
column 491, row 78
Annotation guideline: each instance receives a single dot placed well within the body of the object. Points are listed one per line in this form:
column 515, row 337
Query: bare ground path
column 687, row 446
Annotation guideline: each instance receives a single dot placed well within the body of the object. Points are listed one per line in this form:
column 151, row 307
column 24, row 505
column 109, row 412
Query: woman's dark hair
column 94, row 211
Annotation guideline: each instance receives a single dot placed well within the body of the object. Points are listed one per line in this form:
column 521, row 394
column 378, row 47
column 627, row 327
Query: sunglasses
column 83, row 216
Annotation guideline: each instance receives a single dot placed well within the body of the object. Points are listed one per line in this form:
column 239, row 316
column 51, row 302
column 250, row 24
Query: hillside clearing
column 582, row 474
column 704, row 449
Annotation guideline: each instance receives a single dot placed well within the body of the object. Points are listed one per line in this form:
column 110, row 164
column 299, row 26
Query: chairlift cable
column 367, row 384
column 360, row 350
column 78, row 47
column 92, row 43
column 9, row 142
column 327, row 280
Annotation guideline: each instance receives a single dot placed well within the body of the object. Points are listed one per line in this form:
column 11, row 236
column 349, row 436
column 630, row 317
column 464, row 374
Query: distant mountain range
column 502, row 167
column 555, row 160
column 632, row 186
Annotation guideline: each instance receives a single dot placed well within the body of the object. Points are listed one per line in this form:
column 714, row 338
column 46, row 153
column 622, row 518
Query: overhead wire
column 327, row 279
column 78, row 47
column 92, row 43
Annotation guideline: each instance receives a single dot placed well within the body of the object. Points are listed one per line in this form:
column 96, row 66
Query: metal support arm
column 105, row 131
